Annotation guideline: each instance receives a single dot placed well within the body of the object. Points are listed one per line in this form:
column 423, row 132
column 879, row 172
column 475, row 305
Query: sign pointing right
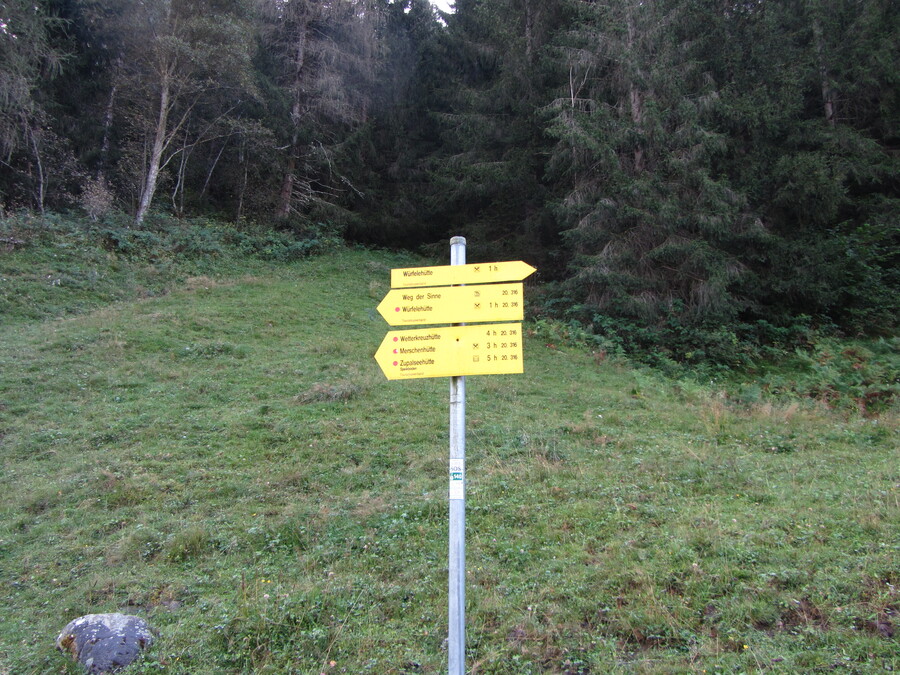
column 451, row 275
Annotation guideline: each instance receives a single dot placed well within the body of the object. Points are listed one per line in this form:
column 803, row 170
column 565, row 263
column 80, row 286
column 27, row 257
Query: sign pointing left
column 453, row 304
column 451, row 351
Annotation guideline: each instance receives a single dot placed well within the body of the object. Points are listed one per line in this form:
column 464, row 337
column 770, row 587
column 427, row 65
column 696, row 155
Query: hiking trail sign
column 493, row 349
column 451, row 275
column 453, row 304
column 456, row 294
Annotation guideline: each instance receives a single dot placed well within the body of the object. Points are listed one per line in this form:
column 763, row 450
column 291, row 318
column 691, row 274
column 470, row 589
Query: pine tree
column 490, row 173
column 654, row 229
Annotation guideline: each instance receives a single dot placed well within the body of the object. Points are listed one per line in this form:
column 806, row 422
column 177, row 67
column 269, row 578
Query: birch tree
column 172, row 56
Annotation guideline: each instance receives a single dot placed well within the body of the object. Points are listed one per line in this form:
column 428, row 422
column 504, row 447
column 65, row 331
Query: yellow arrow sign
column 455, row 304
column 449, row 275
column 451, row 351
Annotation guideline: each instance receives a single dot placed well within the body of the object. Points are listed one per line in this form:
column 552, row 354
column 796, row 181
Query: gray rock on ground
column 105, row 643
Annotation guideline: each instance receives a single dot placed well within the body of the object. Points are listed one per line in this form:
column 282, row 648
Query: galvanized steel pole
column 457, row 562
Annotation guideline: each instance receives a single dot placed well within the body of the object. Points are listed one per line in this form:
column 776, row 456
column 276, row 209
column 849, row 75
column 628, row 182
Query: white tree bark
column 159, row 146
column 828, row 96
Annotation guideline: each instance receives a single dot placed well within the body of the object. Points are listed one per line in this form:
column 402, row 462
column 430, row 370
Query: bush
column 132, row 243
column 196, row 238
column 866, row 376
column 85, row 263
column 97, row 198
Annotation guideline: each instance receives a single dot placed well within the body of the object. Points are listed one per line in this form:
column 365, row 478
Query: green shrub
column 60, row 264
column 864, row 375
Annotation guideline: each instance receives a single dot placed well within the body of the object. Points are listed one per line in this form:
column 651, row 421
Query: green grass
column 227, row 460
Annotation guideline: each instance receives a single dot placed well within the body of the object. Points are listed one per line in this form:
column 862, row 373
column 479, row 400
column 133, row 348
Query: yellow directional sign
column 451, row 351
column 453, row 304
column 449, row 275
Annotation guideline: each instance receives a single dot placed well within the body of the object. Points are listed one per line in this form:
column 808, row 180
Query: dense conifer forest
column 702, row 179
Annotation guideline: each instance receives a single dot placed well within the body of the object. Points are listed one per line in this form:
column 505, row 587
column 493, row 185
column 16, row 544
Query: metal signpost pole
column 457, row 294
column 457, row 562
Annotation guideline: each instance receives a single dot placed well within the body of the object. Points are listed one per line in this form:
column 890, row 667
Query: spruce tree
column 654, row 229
column 318, row 61
column 490, row 174
column 30, row 151
column 388, row 155
column 811, row 113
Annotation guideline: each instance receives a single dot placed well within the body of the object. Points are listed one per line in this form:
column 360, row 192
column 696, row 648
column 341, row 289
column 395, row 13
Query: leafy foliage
column 702, row 178
column 850, row 375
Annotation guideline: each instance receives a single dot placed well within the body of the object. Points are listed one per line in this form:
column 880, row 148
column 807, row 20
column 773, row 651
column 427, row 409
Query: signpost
column 456, row 557
column 455, row 351
column 454, row 304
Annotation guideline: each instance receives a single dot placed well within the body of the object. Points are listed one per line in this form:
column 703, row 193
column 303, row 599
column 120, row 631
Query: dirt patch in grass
column 328, row 392
column 201, row 283
column 802, row 613
column 884, row 624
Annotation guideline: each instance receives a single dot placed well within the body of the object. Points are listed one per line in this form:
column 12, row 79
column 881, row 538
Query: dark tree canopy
column 693, row 173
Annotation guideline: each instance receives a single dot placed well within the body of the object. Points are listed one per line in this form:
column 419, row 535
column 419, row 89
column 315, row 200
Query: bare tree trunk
column 159, row 145
column 286, row 196
column 212, row 168
column 242, row 159
column 107, row 131
column 178, row 191
column 240, row 207
column 828, row 94
column 41, row 180
column 529, row 31
column 635, row 97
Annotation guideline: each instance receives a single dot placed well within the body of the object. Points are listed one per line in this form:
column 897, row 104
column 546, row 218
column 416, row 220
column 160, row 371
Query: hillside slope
column 228, row 461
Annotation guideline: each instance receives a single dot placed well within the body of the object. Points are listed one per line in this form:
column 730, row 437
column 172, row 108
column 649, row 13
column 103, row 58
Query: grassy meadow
column 226, row 460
